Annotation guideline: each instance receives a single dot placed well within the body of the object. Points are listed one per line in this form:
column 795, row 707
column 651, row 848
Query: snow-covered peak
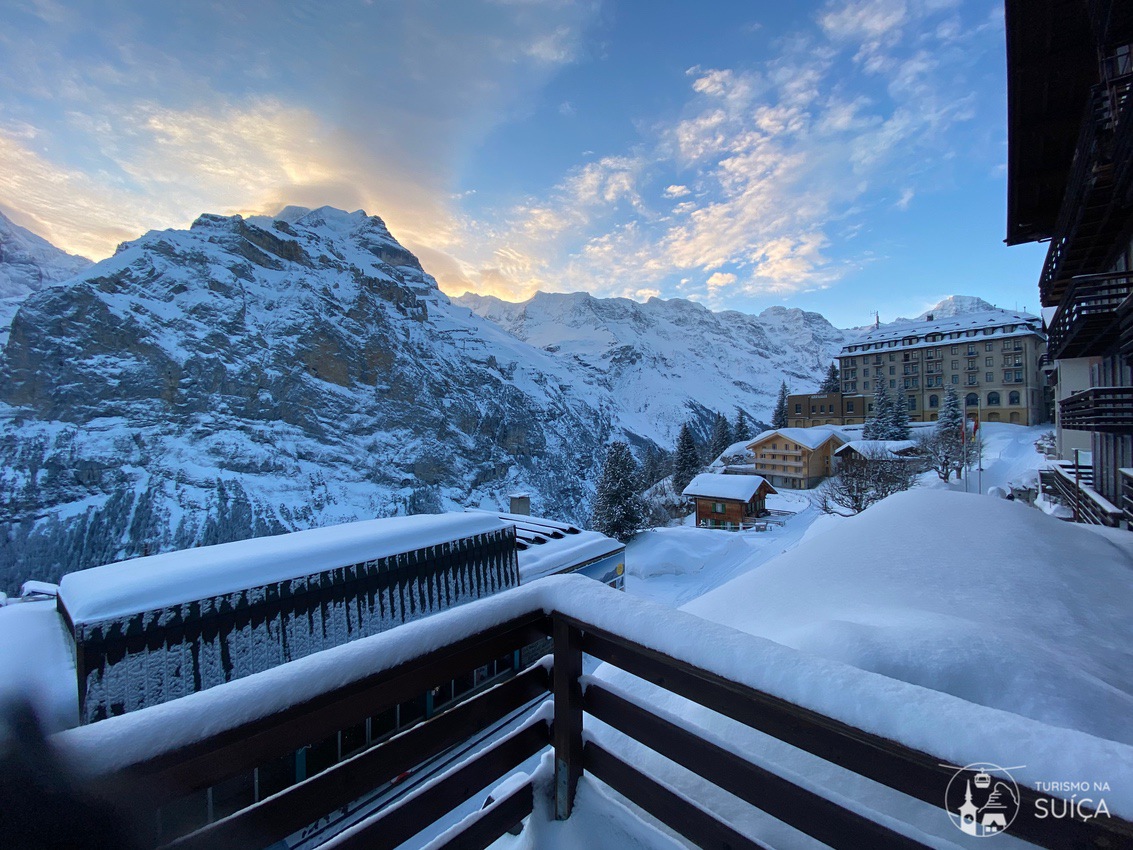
column 29, row 262
column 956, row 305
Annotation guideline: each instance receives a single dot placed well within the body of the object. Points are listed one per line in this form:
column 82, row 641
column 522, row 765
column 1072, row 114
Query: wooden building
column 728, row 501
column 1070, row 184
column 153, row 629
column 798, row 458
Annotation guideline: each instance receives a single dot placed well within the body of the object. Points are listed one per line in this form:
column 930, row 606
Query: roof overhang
column 1050, row 68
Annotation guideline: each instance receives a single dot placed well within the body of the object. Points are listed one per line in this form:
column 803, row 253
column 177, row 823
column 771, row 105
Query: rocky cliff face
column 668, row 360
column 247, row 377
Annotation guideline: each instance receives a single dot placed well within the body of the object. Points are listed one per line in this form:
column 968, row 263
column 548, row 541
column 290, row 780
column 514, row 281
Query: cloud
column 786, row 157
column 720, row 280
column 153, row 114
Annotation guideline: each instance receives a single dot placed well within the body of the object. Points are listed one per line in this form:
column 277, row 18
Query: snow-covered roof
column 173, row 578
column 812, row 437
column 1003, row 322
column 547, row 547
column 877, row 448
column 712, row 485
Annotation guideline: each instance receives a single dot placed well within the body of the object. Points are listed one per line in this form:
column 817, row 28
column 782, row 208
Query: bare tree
column 861, row 482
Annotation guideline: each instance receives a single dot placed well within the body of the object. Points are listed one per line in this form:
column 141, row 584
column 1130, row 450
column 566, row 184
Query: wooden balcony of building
column 1073, row 486
column 1092, row 214
column 1105, row 409
column 175, row 750
column 1088, row 320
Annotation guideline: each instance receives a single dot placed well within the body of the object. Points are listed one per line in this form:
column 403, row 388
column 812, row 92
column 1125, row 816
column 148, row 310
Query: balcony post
column 567, row 687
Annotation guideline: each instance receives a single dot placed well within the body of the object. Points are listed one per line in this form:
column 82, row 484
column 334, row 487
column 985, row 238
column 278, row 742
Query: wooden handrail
column 912, row 772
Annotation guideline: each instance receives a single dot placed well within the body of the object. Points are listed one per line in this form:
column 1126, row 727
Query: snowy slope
column 234, row 380
column 667, row 361
column 995, row 603
column 28, row 263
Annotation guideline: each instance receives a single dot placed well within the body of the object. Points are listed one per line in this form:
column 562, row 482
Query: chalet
column 728, row 501
column 798, row 458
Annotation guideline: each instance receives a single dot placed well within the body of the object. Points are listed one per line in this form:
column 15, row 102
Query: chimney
column 929, row 317
column 520, row 504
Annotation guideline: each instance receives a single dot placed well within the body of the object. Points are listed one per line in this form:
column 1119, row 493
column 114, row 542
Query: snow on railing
column 897, row 734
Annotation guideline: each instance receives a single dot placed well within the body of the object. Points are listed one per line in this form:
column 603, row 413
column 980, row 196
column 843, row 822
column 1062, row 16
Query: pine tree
column 832, row 383
column 951, row 417
column 618, row 509
column 899, row 421
column 741, row 429
column 877, row 427
column 779, row 415
column 686, row 463
column 721, row 437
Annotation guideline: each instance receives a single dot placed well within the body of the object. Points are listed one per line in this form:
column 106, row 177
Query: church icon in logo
column 982, row 799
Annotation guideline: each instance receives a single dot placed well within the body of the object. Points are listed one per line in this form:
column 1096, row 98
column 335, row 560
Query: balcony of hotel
column 1073, row 487
column 1108, row 409
column 564, row 727
column 1091, row 215
column 1088, row 320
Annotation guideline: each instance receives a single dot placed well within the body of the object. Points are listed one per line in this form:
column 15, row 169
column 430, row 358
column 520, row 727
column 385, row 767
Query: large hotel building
column 991, row 359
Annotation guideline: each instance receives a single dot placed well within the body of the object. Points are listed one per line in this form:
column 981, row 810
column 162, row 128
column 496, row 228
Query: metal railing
column 215, row 757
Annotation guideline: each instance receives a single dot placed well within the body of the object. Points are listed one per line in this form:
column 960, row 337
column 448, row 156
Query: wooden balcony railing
column 1106, row 409
column 1087, row 321
column 1090, row 217
column 1073, row 487
column 176, row 750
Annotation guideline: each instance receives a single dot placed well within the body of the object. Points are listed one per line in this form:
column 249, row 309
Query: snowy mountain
column 238, row 379
column 668, row 360
column 952, row 306
column 28, row 263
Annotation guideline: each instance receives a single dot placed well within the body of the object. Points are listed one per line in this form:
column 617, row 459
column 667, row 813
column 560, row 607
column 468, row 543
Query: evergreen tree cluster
column 686, row 462
column 619, row 511
column 890, row 417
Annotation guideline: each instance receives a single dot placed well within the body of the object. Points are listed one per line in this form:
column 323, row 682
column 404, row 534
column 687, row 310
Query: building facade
column 796, row 458
column 1070, row 181
column 991, row 359
column 728, row 501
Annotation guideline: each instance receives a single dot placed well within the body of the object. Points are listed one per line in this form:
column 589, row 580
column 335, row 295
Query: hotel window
column 989, row 361
column 934, row 401
column 1013, row 397
column 849, row 407
column 955, row 379
column 972, row 381
column 865, row 372
column 955, row 363
column 971, row 400
column 955, row 350
column 993, row 399
column 1007, row 377
column 892, row 385
column 1018, row 376
column 1006, row 345
column 971, row 351
column 989, row 376
column 865, row 385
column 911, row 404
column 798, row 408
column 892, row 370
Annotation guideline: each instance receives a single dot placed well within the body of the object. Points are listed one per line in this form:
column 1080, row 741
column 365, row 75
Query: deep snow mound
column 981, row 598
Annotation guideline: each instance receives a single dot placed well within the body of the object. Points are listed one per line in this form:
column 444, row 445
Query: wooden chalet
column 728, row 501
column 797, row 458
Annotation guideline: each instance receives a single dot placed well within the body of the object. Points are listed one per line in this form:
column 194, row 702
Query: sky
column 843, row 157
